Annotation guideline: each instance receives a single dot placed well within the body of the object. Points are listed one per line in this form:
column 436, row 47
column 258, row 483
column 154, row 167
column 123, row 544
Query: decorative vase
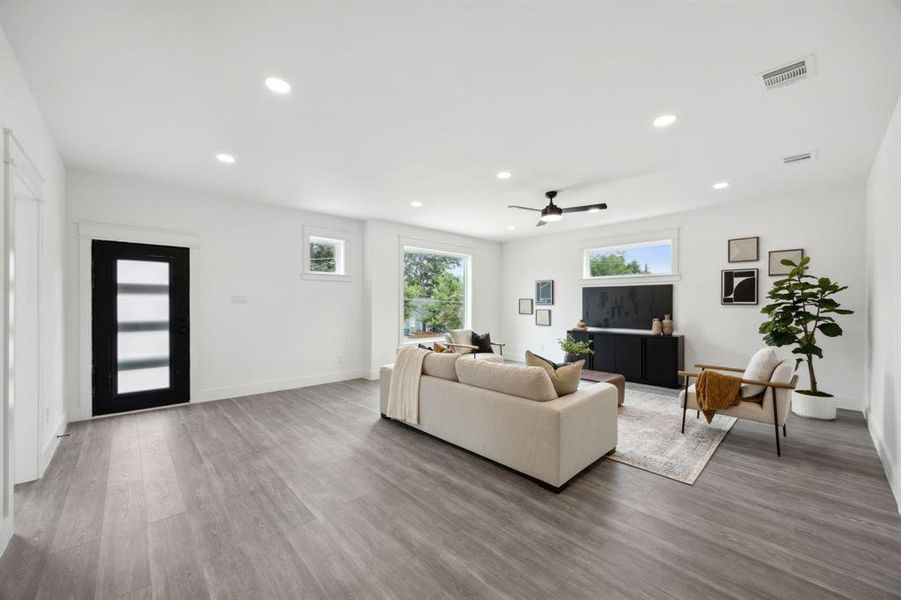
column 813, row 407
column 656, row 327
column 580, row 326
column 667, row 325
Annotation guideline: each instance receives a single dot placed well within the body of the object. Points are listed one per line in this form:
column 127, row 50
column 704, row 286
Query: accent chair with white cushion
column 771, row 405
column 461, row 342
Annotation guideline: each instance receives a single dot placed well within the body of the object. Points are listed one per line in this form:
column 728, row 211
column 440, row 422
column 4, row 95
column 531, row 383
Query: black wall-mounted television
column 627, row 306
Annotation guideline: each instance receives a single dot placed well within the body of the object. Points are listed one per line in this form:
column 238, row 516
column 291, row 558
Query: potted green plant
column 573, row 349
column 802, row 307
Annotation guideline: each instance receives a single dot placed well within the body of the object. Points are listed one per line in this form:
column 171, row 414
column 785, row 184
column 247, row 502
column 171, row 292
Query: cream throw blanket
column 403, row 393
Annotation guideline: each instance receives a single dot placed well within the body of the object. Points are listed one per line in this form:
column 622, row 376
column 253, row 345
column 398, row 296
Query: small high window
column 325, row 256
column 629, row 260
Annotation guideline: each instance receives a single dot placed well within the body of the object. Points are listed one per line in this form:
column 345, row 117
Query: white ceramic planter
column 813, row 407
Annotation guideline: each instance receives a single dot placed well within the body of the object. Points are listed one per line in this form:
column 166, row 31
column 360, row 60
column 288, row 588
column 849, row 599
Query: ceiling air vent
column 788, row 74
column 798, row 158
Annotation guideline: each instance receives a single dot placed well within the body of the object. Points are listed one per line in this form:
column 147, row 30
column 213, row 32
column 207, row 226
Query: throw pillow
column 483, row 342
column 462, row 337
column 424, row 347
column 564, row 377
column 761, row 368
column 439, row 347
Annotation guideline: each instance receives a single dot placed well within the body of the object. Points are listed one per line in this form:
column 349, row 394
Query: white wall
column 292, row 332
column 20, row 112
column 828, row 224
column 384, row 241
column 882, row 399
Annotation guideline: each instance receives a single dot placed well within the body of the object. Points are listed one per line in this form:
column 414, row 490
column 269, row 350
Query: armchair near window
column 461, row 342
column 772, row 408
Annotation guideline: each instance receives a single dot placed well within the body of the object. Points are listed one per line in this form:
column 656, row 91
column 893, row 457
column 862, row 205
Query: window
column 435, row 288
column 641, row 259
column 325, row 256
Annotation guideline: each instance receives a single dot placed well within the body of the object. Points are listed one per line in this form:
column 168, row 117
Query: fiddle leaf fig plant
column 802, row 306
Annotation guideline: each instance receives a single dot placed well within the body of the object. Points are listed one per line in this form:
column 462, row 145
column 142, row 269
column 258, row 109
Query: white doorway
column 25, row 299
column 20, row 407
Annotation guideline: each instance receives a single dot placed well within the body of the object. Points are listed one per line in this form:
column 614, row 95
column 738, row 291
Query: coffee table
column 612, row 378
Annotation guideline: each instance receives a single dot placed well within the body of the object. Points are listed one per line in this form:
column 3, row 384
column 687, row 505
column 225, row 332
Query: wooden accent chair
column 773, row 407
column 461, row 342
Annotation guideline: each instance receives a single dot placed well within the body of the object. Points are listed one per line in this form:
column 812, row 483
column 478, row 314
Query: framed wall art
column 544, row 292
column 775, row 260
column 525, row 306
column 543, row 317
column 738, row 286
column 744, row 249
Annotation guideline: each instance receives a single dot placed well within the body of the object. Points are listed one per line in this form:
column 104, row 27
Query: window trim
column 626, row 240
column 339, row 239
column 423, row 247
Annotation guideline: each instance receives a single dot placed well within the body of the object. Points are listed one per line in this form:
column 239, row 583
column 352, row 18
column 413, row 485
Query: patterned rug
column 649, row 436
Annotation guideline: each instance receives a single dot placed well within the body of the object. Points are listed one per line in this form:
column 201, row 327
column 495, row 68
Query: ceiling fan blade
column 523, row 207
column 540, row 223
column 573, row 209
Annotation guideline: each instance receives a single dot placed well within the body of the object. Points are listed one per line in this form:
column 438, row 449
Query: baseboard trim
column 892, row 473
column 373, row 375
column 276, row 385
column 51, row 446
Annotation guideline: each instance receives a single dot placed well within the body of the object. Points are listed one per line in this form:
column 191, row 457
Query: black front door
column 140, row 326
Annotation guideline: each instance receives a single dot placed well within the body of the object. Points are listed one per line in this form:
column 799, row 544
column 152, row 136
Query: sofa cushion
column 532, row 383
column 565, row 378
column 440, row 364
column 461, row 336
column 761, row 368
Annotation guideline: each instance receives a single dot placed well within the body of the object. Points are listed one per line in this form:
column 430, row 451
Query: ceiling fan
column 552, row 212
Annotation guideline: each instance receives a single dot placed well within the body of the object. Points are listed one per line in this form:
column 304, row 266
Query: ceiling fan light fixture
column 551, row 217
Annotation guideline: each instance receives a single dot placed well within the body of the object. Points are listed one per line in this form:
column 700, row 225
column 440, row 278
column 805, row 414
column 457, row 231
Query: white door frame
column 19, row 168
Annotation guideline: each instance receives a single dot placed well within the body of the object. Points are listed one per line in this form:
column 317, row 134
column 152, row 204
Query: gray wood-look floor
column 309, row 494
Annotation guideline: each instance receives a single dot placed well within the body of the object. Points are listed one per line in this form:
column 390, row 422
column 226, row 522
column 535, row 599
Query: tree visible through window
column 651, row 258
column 326, row 256
column 434, row 294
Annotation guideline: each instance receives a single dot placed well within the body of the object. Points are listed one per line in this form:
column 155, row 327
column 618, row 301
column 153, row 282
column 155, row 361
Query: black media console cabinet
column 637, row 354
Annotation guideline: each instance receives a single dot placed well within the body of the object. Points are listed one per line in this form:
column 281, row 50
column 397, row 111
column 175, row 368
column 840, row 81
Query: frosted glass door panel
column 143, row 308
column 142, row 271
column 142, row 344
column 139, row 380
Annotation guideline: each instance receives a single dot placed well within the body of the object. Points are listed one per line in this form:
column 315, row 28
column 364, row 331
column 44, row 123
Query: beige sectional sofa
column 511, row 414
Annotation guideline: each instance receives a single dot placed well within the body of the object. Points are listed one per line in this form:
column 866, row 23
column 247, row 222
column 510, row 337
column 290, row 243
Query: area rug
column 649, row 436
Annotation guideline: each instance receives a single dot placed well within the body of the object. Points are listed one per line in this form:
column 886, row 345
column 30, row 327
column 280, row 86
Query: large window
column 435, row 293
column 629, row 260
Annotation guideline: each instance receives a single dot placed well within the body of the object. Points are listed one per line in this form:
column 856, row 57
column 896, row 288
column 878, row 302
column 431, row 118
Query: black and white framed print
column 544, row 292
column 744, row 249
column 525, row 306
column 543, row 317
column 738, row 286
column 777, row 256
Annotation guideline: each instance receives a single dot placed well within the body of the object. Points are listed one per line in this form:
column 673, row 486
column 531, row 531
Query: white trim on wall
column 88, row 232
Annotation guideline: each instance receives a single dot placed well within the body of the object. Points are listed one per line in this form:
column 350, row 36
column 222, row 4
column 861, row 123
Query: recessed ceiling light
column 225, row 158
column 416, row 204
column 277, row 85
column 511, row 227
column 665, row 120
column 504, row 175
column 721, row 185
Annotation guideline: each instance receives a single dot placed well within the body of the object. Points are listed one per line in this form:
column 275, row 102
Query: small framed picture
column 543, row 317
column 544, row 292
column 744, row 249
column 525, row 306
column 738, row 286
column 777, row 256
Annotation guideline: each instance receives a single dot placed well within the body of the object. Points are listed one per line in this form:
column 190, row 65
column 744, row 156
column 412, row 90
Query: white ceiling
column 428, row 101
